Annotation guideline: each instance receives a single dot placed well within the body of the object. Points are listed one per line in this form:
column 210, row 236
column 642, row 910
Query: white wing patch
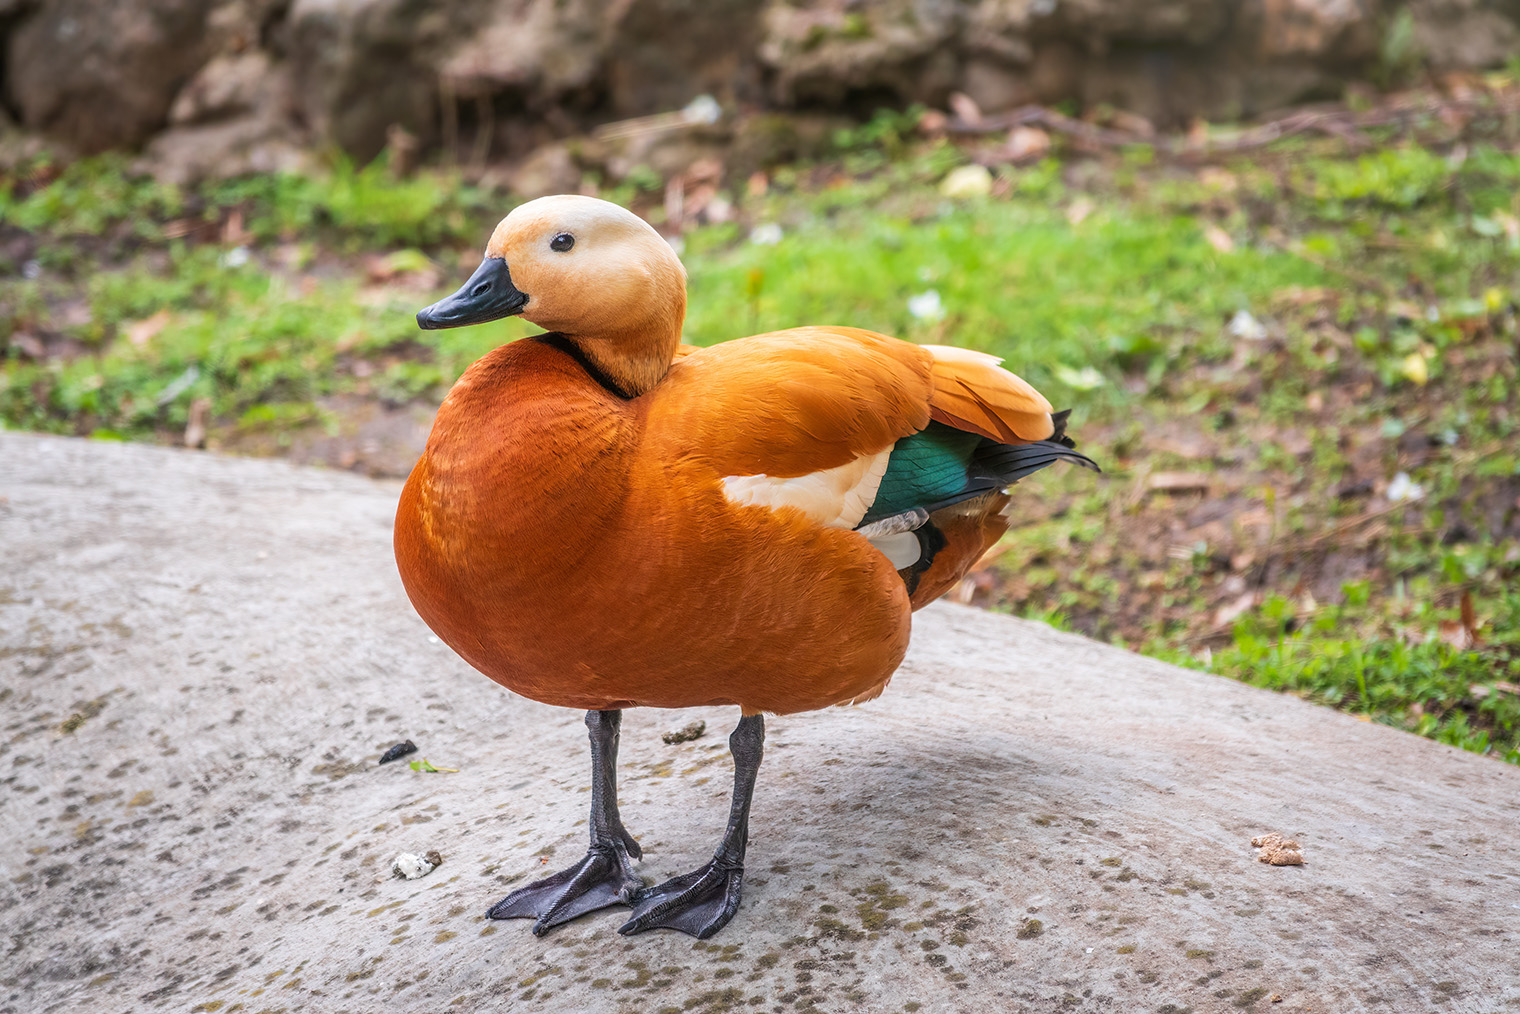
column 835, row 497
column 901, row 548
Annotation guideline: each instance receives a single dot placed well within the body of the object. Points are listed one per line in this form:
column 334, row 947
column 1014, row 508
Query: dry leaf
column 233, row 233
column 1218, row 238
column 1219, row 179
column 195, row 428
column 1177, row 482
column 1230, row 611
column 932, row 123
column 29, row 344
column 141, row 332
column 1079, row 209
column 1469, row 617
column 1025, row 144
column 1461, row 634
column 965, row 108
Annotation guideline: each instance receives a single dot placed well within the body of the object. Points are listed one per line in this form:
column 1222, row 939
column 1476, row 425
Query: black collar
column 575, row 352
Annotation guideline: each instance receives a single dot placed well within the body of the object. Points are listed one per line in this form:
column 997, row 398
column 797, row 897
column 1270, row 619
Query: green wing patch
column 925, row 467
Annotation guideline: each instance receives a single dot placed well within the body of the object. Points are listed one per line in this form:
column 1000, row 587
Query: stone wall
column 231, row 85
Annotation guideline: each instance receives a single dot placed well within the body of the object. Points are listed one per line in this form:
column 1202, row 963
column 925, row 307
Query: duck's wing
column 973, row 393
column 791, row 403
column 817, row 418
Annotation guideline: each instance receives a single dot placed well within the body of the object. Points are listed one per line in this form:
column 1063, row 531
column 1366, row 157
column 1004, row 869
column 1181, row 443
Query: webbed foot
column 603, row 878
column 699, row 903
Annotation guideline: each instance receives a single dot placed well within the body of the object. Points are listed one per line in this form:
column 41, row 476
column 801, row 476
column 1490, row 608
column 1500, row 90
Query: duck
column 604, row 518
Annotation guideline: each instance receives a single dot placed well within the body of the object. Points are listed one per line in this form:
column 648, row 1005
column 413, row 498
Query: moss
column 1031, row 929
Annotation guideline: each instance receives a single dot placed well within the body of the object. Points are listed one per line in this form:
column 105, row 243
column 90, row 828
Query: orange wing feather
column 973, row 393
column 793, row 402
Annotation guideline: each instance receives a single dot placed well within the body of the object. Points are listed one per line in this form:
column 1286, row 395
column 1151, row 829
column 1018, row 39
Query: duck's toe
column 603, row 878
column 699, row 903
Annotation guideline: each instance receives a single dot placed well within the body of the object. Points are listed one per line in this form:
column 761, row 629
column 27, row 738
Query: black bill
column 488, row 295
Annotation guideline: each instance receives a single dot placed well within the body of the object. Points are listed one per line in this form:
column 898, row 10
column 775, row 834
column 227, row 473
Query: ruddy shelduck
column 604, row 518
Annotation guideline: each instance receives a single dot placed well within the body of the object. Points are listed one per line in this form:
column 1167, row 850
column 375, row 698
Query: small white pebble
column 766, row 234
column 702, row 109
column 1244, row 325
column 1402, row 487
column 927, row 305
column 411, row 867
column 235, row 258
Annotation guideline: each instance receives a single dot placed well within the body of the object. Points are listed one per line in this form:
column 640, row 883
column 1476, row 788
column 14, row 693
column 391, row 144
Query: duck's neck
column 632, row 358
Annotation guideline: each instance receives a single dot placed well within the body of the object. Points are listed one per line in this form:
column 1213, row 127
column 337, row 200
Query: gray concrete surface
column 203, row 657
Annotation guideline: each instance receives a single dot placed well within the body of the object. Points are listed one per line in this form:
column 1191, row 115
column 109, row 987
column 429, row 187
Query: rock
column 228, row 84
column 1100, row 23
column 1326, row 31
column 362, row 65
column 97, row 76
column 1025, row 821
column 1465, row 34
column 663, row 53
column 551, row 169
column 966, row 181
column 237, row 115
column 246, row 144
column 995, row 86
column 821, row 52
column 410, row 866
column 503, row 78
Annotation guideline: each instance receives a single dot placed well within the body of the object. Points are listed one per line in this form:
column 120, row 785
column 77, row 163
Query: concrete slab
column 202, row 659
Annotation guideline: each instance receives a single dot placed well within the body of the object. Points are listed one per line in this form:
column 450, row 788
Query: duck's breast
column 519, row 483
column 563, row 552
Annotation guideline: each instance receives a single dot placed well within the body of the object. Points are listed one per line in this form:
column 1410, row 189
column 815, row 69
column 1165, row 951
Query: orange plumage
column 604, row 518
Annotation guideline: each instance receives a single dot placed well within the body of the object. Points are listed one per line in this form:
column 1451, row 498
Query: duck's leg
column 605, row 877
column 703, row 901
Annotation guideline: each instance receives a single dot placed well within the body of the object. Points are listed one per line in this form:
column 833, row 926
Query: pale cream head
column 613, row 274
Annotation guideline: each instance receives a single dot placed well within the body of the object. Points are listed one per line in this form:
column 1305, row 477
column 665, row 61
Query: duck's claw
column 699, row 903
column 604, row 878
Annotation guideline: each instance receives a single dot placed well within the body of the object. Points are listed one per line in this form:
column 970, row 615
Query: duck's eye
column 562, row 242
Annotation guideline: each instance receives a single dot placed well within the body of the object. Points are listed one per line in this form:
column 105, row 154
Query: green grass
column 1386, row 284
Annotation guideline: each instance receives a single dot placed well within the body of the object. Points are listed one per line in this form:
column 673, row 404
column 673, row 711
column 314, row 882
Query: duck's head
column 588, row 269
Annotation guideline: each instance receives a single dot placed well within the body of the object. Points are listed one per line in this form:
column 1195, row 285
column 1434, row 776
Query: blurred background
column 1268, row 251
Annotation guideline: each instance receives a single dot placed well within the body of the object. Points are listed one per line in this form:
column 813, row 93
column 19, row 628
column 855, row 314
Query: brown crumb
column 692, row 731
column 434, row 858
column 1278, row 851
column 1275, row 998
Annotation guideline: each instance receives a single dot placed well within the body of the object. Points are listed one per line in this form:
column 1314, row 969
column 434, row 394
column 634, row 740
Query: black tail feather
column 997, row 466
column 1011, row 462
column 1059, row 436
